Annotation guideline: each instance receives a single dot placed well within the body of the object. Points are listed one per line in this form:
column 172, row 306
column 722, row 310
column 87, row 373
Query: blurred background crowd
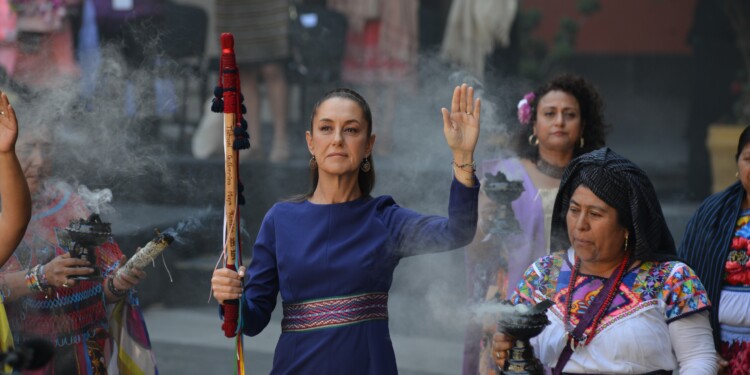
column 682, row 69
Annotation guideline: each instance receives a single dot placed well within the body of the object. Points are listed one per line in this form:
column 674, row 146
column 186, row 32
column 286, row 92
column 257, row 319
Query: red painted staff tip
column 227, row 42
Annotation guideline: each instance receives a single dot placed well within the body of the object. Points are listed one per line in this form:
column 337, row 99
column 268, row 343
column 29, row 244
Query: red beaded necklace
column 605, row 305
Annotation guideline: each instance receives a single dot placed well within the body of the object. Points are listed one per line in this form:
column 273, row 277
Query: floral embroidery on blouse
column 674, row 283
column 737, row 266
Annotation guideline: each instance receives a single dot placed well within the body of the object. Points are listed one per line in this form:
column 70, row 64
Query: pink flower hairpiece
column 524, row 108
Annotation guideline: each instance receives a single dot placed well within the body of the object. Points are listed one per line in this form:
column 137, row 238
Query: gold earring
column 626, row 243
column 313, row 163
column 581, row 142
column 365, row 166
column 533, row 140
column 736, row 174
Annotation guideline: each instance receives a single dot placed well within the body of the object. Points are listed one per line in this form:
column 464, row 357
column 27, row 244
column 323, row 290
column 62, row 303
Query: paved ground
column 190, row 341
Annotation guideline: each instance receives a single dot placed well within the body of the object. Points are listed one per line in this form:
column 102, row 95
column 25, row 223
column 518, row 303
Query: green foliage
column 533, row 51
column 528, row 20
column 588, row 7
column 537, row 61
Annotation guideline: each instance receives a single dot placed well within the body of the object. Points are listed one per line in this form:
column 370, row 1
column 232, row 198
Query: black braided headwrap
column 623, row 185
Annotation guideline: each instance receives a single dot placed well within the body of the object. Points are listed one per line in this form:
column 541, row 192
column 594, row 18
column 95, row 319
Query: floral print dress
column 734, row 307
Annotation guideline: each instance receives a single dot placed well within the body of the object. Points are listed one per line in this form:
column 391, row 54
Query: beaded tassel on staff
column 228, row 100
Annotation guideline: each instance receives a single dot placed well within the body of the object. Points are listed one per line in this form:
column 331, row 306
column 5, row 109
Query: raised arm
column 461, row 128
column 14, row 193
column 419, row 234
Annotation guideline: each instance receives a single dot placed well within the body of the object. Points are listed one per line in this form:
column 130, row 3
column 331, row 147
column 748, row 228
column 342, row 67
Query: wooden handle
column 230, row 188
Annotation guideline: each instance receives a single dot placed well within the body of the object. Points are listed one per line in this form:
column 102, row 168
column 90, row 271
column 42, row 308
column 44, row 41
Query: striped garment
column 132, row 353
column 260, row 28
column 707, row 240
column 334, row 312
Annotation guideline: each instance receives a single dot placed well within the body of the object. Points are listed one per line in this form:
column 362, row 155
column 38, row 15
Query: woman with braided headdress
column 648, row 312
column 717, row 245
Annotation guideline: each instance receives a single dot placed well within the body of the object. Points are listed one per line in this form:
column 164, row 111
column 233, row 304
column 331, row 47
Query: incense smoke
column 191, row 225
column 429, row 292
column 97, row 200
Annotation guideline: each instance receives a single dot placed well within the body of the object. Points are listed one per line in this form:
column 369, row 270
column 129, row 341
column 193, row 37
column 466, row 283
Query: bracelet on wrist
column 113, row 289
column 466, row 167
column 32, row 279
column 41, row 277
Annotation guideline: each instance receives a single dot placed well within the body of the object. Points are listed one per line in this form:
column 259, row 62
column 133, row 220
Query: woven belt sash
column 334, row 312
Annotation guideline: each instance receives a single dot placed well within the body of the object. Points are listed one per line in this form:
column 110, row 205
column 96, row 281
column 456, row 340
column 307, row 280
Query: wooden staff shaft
column 230, row 187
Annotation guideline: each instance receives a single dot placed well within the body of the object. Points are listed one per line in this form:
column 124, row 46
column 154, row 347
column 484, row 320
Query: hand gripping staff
column 228, row 99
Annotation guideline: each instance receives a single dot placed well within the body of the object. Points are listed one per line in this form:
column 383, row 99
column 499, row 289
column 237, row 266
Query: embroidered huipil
column 712, row 248
column 309, row 252
column 633, row 337
column 73, row 319
column 734, row 315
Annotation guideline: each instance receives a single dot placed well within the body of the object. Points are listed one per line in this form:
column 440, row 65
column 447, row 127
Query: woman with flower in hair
column 558, row 121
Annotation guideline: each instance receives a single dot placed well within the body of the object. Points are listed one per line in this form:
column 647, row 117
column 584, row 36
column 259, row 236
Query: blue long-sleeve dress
column 312, row 252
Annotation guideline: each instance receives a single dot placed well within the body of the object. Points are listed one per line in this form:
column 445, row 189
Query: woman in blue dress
column 332, row 253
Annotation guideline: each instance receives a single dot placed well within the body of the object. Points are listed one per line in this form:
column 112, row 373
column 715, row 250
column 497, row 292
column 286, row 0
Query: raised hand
column 461, row 124
column 8, row 125
column 16, row 199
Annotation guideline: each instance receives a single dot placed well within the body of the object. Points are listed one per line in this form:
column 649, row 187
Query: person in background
column 717, row 245
column 558, row 121
column 381, row 54
column 622, row 302
column 260, row 29
column 42, row 54
column 95, row 325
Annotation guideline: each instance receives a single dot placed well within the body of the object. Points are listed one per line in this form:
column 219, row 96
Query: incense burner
column 523, row 323
column 502, row 192
column 86, row 236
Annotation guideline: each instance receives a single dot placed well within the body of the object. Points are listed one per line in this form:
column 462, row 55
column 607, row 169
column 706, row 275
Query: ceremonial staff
column 228, row 99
